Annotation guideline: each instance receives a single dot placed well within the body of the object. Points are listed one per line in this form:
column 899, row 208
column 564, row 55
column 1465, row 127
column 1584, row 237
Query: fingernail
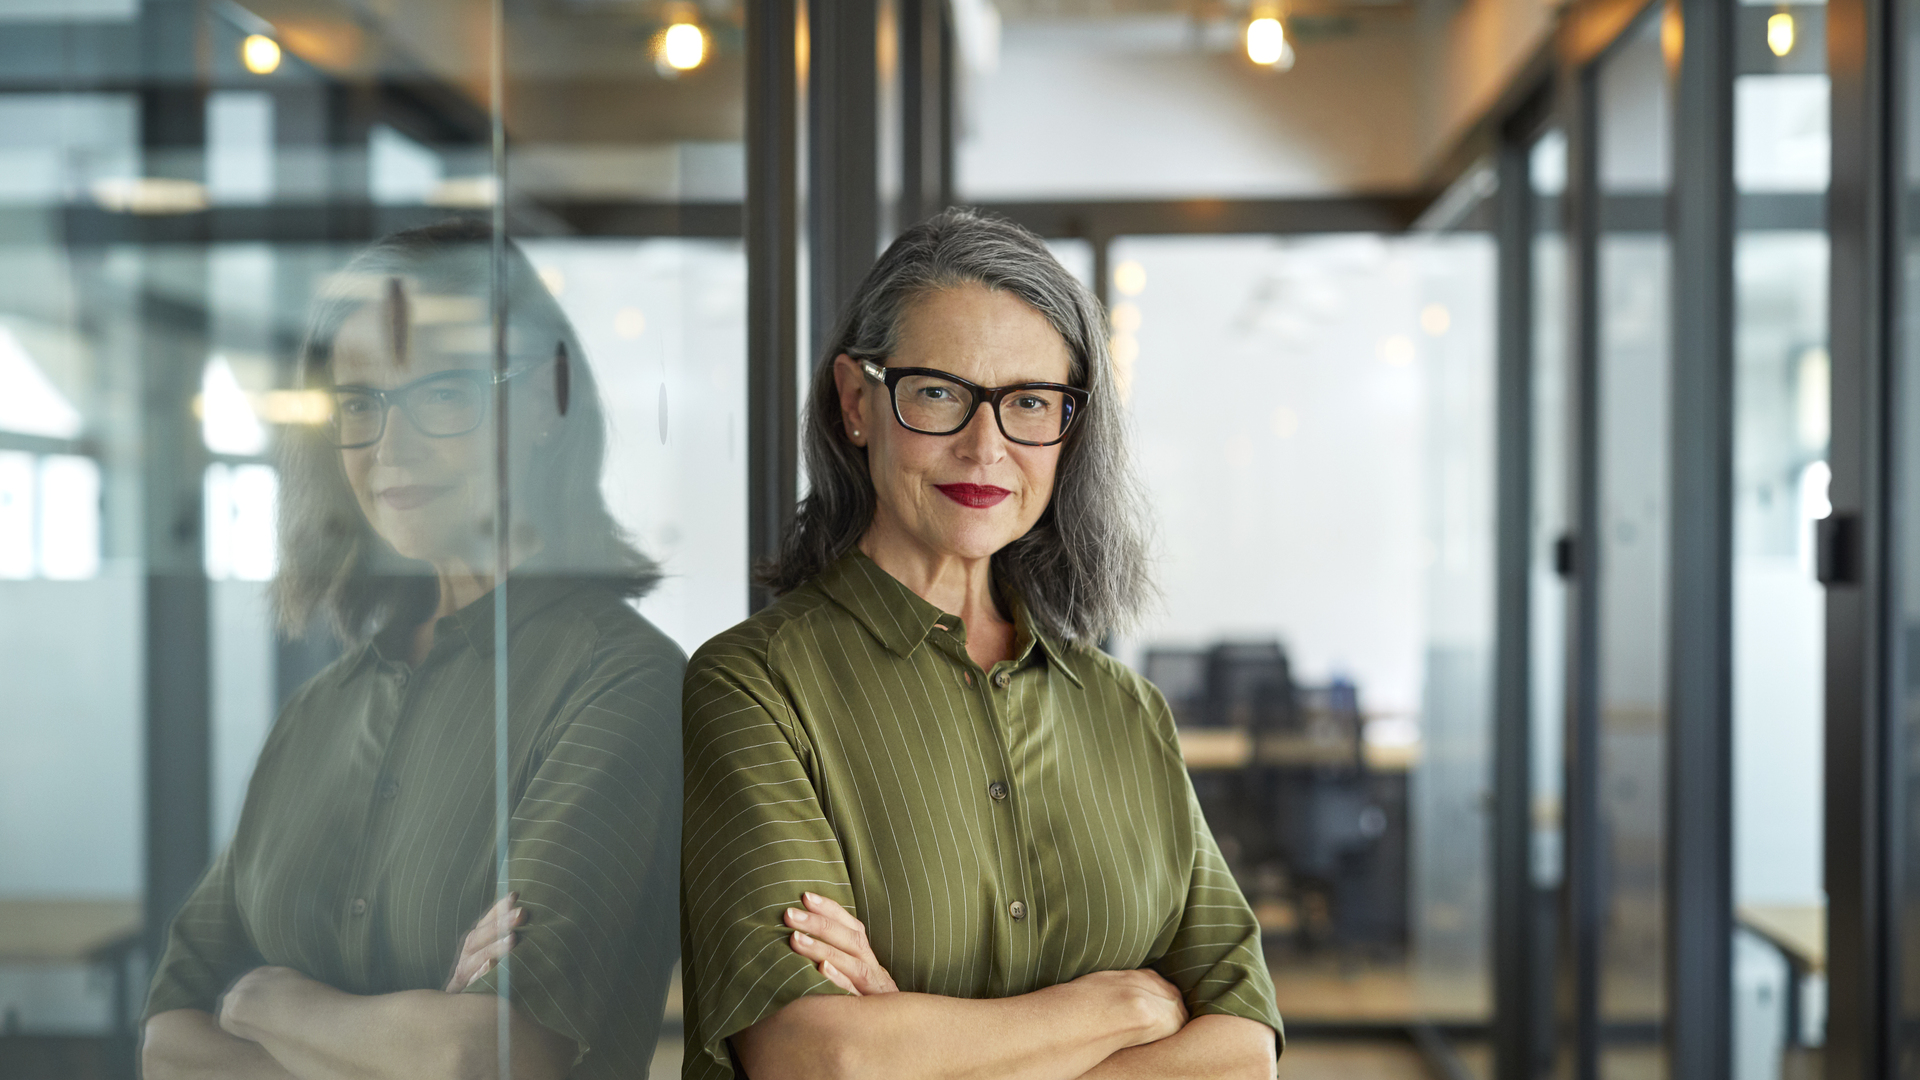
column 810, row 898
column 796, row 915
column 519, row 912
column 802, row 935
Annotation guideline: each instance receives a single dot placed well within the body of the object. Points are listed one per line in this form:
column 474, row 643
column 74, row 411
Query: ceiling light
column 261, row 54
column 1267, row 43
column 1780, row 33
column 683, row 47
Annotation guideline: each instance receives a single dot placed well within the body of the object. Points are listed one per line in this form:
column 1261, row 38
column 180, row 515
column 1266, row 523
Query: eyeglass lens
column 441, row 406
column 937, row 406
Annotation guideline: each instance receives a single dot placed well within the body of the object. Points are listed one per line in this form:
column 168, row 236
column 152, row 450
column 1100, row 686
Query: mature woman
column 931, row 832
column 332, row 939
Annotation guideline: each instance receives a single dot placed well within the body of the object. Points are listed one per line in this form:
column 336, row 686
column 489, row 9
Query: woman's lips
column 412, row 496
column 978, row 496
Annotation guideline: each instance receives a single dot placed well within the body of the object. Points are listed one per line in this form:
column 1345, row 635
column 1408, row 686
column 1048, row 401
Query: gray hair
column 1082, row 568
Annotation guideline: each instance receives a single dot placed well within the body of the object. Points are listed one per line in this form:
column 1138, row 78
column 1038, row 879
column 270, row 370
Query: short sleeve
column 1215, row 956
column 207, row 946
column 593, row 852
column 756, row 839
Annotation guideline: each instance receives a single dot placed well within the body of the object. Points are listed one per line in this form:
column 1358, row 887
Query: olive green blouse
column 998, row 831
column 365, row 849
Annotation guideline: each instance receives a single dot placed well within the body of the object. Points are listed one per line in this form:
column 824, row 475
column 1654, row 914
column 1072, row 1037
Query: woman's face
column 431, row 498
column 943, row 492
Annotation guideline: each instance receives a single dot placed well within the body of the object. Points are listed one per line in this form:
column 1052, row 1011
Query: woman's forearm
column 319, row 1033
column 1054, row 1034
column 187, row 1044
column 1208, row 1048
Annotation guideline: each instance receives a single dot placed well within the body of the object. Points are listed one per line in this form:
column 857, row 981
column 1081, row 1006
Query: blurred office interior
column 1531, row 440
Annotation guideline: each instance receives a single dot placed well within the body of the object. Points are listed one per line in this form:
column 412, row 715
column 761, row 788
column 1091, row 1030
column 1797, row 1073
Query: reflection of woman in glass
column 352, row 929
column 913, row 772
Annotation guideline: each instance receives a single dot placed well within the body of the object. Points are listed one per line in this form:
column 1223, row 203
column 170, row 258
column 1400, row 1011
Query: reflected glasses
column 440, row 406
column 932, row 402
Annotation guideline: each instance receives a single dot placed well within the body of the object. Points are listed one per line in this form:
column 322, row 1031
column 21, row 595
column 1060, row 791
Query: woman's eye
column 936, row 393
column 355, row 406
column 1030, row 403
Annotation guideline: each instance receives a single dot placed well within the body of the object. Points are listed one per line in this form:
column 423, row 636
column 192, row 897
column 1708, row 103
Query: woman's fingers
column 493, row 936
column 835, row 926
column 830, row 909
column 845, row 970
column 834, row 976
column 475, row 964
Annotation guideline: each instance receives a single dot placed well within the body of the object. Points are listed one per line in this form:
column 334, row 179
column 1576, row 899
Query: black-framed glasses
column 934, row 402
column 440, row 406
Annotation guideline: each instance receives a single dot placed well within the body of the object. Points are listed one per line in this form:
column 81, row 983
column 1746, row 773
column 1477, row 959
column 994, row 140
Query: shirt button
column 360, row 907
column 1001, row 680
column 389, row 789
column 400, row 677
column 1017, row 909
column 997, row 790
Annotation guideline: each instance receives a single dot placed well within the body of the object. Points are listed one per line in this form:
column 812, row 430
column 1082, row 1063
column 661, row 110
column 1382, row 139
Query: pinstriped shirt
column 365, row 849
column 999, row 831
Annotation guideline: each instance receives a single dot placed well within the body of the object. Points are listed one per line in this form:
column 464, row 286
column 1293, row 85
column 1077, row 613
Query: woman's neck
column 956, row 585
column 460, row 583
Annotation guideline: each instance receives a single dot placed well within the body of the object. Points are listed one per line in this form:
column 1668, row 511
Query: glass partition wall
column 1632, row 284
column 371, row 455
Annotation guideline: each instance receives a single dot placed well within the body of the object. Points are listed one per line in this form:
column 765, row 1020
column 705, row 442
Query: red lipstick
column 978, row 496
column 411, row 496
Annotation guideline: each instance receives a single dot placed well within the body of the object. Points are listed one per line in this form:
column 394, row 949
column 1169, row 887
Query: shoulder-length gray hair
column 1082, row 568
column 332, row 563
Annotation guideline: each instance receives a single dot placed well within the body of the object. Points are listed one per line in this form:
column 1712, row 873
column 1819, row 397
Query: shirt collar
column 472, row 626
column 901, row 620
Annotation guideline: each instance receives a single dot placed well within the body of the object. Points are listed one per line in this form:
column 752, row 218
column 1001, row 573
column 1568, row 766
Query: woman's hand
column 247, row 1005
column 836, row 942
column 491, row 938
column 1155, row 1003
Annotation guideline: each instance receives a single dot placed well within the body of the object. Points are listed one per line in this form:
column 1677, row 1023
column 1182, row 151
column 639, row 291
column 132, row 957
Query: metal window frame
column 1864, row 811
column 1519, row 999
column 1698, row 890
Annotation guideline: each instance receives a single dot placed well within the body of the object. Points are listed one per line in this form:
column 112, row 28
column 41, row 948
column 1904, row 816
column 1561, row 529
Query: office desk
column 96, row 932
column 1799, row 931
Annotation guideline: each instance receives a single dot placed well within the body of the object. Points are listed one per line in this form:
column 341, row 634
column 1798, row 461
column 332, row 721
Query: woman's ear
column 852, row 385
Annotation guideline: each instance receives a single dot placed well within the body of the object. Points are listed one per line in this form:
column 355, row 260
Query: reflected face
column 431, row 498
column 968, row 494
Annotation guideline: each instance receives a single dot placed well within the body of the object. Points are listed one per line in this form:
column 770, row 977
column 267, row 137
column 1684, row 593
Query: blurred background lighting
column 683, row 47
column 1780, row 34
column 261, row 54
column 1266, row 41
column 1130, row 277
column 1435, row 319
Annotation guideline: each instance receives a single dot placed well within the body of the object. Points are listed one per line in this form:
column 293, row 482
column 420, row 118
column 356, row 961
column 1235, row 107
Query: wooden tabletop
column 1799, row 930
column 63, row 930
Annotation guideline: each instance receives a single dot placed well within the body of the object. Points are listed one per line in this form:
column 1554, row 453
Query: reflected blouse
column 365, row 850
column 999, row 831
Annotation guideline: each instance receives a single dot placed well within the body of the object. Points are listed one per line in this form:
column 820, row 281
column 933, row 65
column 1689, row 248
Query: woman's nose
column 980, row 441
column 401, row 443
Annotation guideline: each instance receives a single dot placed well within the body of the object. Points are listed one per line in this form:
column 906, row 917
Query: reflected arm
column 315, row 1032
column 187, row 1044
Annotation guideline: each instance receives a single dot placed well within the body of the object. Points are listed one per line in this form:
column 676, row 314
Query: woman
column 918, row 733
column 327, row 940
